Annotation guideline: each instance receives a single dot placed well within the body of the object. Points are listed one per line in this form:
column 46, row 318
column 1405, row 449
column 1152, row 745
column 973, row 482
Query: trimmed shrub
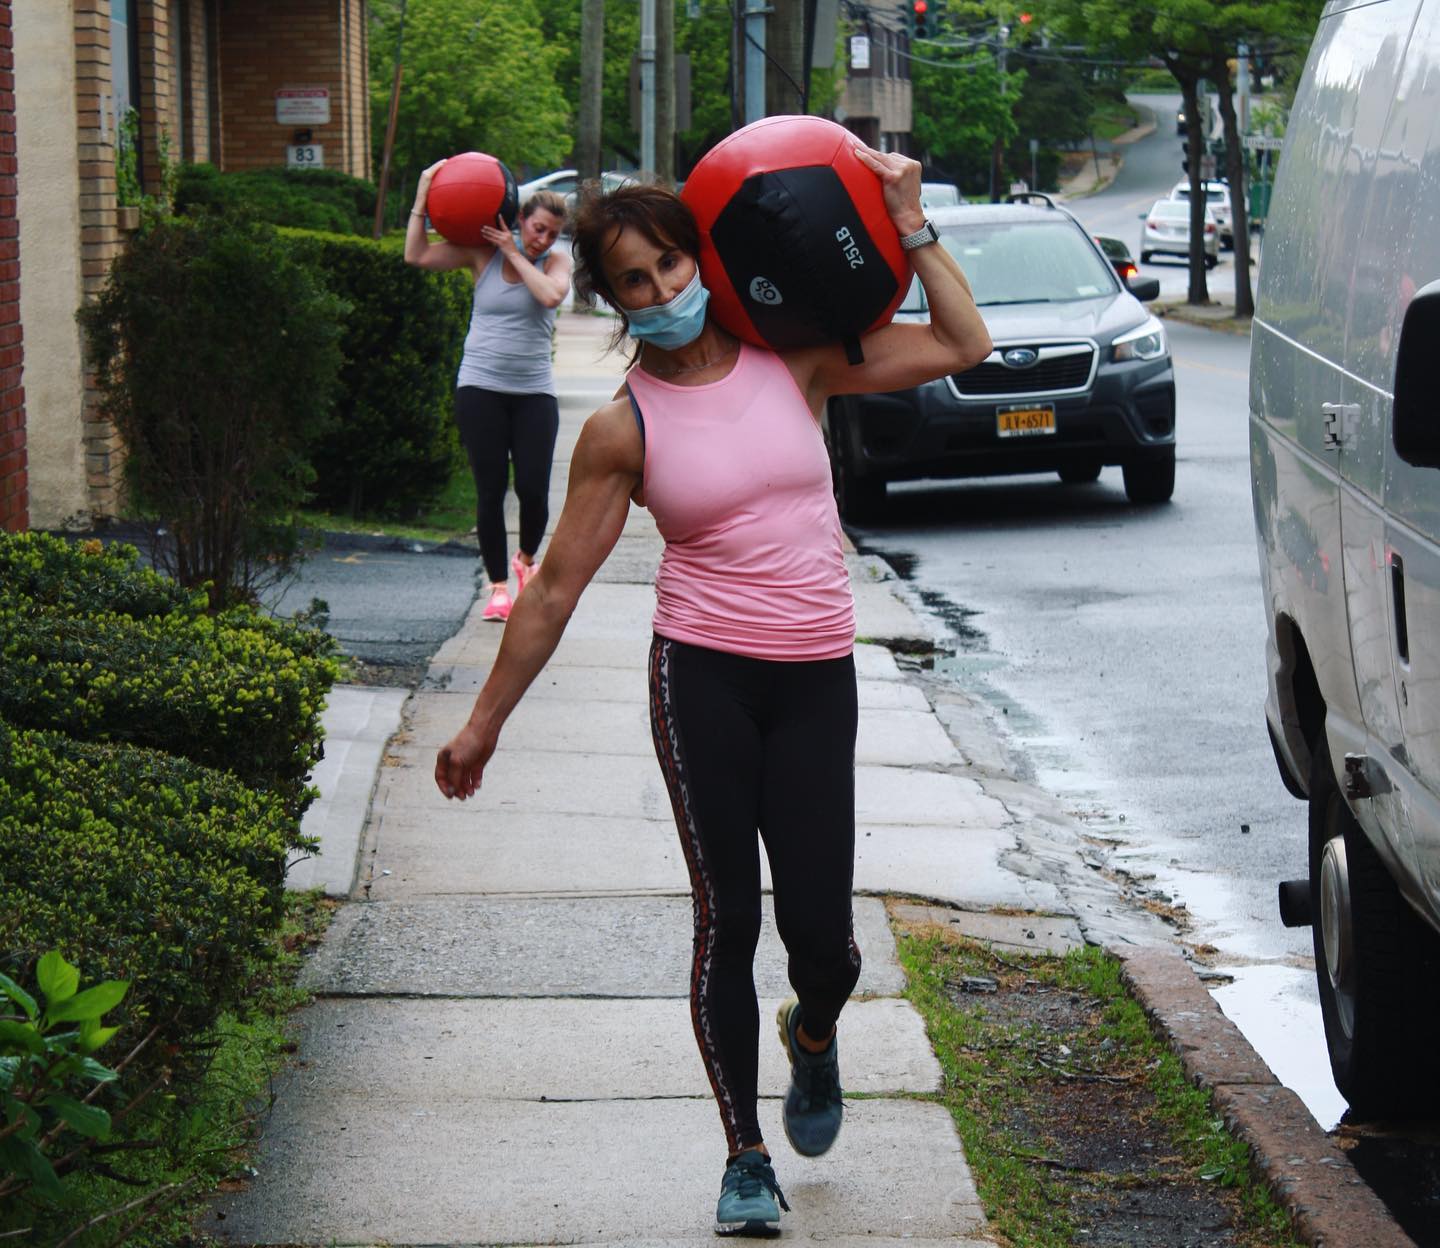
column 87, row 577
column 393, row 446
column 227, row 691
column 139, row 866
column 217, row 357
column 309, row 199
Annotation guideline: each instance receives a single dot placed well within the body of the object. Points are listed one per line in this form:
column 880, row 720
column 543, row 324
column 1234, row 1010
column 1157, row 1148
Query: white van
column 1345, row 470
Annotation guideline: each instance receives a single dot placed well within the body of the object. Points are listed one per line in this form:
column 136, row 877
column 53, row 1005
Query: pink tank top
column 738, row 481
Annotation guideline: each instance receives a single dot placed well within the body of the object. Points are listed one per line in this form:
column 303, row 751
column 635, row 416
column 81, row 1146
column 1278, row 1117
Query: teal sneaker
column 750, row 1198
column 813, row 1108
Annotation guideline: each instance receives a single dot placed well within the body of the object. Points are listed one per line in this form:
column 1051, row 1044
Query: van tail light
column 1209, row 229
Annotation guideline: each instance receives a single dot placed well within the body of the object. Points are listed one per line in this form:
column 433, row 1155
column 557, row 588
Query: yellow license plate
column 1024, row 420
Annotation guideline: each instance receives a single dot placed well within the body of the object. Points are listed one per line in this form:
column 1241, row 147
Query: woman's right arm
column 419, row 250
column 605, row 470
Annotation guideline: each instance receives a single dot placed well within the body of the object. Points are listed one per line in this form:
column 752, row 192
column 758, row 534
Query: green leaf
column 87, row 1119
column 93, row 1035
column 18, row 995
column 22, row 1158
column 21, row 1036
column 91, row 1003
column 58, row 980
column 94, row 1071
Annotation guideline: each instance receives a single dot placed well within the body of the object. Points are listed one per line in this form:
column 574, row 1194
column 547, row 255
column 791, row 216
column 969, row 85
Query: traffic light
column 1026, row 18
column 907, row 18
column 921, row 9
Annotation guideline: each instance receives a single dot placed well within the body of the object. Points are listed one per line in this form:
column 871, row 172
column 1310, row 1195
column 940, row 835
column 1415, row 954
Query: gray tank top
column 508, row 346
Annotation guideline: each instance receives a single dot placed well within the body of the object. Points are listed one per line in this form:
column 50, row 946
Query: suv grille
column 1069, row 371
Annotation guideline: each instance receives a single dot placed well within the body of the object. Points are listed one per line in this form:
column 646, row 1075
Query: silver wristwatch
column 925, row 234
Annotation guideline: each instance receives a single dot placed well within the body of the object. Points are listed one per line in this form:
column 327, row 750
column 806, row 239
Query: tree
column 963, row 106
column 477, row 78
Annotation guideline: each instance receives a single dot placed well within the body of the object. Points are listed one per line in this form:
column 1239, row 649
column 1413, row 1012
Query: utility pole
column 379, row 225
column 785, row 74
column 647, row 85
column 665, row 92
column 1002, row 55
column 592, row 64
column 1242, row 87
column 755, row 11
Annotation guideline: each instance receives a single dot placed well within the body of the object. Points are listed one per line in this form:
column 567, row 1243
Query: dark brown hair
column 659, row 214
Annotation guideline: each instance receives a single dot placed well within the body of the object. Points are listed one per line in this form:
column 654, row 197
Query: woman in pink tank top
column 752, row 679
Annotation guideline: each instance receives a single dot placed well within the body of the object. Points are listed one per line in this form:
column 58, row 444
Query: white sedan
column 1167, row 232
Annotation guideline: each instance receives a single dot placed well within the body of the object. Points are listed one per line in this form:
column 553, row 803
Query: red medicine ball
column 796, row 247
column 466, row 194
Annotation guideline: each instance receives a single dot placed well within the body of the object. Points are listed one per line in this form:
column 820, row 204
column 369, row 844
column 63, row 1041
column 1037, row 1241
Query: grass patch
column 1076, row 1120
column 1157, row 81
column 1112, row 120
column 198, row 1129
column 449, row 517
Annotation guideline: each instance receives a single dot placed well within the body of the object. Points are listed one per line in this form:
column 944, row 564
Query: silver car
column 1166, row 232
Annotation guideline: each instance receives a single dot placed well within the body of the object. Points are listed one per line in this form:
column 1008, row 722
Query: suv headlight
column 1144, row 342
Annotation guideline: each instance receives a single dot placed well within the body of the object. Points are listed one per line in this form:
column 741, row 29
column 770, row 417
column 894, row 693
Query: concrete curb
column 1330, row 1205
column 1217, row 316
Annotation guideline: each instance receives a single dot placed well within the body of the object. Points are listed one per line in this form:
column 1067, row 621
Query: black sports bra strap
column 639, row 418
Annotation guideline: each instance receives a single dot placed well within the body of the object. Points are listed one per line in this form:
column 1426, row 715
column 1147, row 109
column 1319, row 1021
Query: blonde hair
column 551, row 202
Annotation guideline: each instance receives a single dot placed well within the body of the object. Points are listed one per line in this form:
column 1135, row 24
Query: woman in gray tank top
column 505, row 404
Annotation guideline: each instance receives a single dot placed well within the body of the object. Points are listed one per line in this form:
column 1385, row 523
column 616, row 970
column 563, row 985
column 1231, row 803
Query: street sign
column 859, row 51
column 1263, row 142
column 305, row 156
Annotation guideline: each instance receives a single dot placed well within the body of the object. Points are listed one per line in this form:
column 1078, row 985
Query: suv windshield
column 1025, row 262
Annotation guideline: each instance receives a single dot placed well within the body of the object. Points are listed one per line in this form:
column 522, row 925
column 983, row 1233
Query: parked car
column 1080, row 376
column 1119, row 256
column 1167, row 232
column 1180, row 121
column 566, row 182
column 1217, row 199
column 1345, row 472
column 939, row 195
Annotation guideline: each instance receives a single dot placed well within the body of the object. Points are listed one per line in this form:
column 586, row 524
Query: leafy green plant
column 216, row 357
column 48, row 1079
column 393, row 448
column 127, row 160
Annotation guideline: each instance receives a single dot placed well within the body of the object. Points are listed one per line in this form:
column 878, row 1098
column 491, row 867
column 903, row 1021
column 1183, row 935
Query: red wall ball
column 796, row 247
column 466, row 194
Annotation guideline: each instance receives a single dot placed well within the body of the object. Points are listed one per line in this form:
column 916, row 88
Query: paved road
column 1124, row 648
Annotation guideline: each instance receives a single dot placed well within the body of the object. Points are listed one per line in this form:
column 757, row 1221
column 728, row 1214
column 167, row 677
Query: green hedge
column 392, row 447
column 311, row 199
column 139, row 866
column 237, row 691
column 83, row 578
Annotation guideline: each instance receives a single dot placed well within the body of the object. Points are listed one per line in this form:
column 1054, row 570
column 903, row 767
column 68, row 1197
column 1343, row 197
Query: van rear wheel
column 1373, row 956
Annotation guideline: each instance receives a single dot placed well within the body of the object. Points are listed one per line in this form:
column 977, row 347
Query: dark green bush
column 393, row 446
column 138, row 866
column 217, row 357
column 310, row 199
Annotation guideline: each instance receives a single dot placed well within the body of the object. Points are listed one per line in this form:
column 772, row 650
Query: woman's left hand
column 499, row 236
column 900, row 178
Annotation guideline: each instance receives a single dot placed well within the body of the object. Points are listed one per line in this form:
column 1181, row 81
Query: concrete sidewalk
column 500, row 1049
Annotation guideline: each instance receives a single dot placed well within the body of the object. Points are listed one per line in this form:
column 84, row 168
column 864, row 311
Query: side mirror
column 1415, row 413
column 1144, row 288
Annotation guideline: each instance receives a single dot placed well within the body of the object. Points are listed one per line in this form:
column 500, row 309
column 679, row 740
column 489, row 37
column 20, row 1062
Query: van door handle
column 1337, row 423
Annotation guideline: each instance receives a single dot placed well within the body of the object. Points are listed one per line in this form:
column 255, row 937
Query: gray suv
column 1080, row 376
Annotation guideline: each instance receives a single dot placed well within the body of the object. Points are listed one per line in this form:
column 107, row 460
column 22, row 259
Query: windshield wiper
column 1000, row 303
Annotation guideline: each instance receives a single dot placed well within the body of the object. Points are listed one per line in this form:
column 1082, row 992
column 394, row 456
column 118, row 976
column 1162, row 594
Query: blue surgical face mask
column 674, row 324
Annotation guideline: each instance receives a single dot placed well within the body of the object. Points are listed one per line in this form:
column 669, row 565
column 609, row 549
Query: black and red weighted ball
column 796, row 247
column 467, row 193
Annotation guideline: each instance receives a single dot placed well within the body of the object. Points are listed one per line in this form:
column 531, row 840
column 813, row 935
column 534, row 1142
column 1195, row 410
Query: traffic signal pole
column 647, row 85
column 755, row 11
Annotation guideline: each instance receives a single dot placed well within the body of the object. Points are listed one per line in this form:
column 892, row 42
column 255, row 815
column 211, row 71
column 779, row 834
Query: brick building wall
column 14, row 509
column 265, row 45
column 100, row 239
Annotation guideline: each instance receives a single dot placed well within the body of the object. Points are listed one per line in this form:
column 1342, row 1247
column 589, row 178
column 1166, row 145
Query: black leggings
column 495, row 429
column 749, row 744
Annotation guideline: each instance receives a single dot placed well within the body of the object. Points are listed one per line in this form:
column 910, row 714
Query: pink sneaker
column 498, row 608
column 524, row 572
